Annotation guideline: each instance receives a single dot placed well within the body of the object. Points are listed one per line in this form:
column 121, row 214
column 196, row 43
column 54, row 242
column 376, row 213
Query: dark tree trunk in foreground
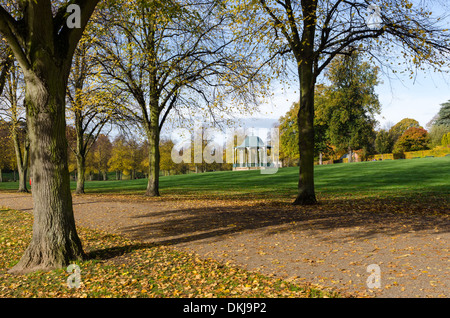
column 304, row 52
column 55, row 241
column 305, row 119
column 44, row 45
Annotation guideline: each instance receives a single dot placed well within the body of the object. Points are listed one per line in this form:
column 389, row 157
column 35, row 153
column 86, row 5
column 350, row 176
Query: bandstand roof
column 252, row 142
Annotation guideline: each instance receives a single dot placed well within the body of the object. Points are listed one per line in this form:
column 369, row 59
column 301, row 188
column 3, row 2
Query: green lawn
column 381, row 178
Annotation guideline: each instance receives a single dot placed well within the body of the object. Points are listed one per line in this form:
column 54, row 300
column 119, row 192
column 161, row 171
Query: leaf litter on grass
column 119, row 267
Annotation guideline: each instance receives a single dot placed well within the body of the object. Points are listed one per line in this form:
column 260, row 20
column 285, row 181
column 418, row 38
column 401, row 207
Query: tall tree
column 121, row 158
column 7, row 150
column 384, row 142
column 102, row 149
column 6, row 60
column 43, row 44
column 11, row 108
column 413, row 139
column 289, row 151
column 352, row 103
column 171, row 56
column 403, row 125
column 444, row 115
column 315, row 32
column 92, row 103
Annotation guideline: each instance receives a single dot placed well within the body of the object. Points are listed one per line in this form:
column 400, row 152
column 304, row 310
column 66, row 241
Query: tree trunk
column 350, row 155
column 23, row 180
column 55, row 241
column 306, row 194
column 153, row 156
column 23, row 167
column 304, row 53
column 81, row 174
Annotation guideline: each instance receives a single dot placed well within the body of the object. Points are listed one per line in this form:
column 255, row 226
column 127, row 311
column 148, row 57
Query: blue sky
column 419, row 99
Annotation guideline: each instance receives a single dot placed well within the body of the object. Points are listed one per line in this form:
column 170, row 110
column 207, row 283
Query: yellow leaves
column 125, row 268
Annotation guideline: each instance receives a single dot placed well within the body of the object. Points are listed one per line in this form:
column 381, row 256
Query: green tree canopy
column 289, row 149
column 444, row 115
column 384, row 142
column 352, row 102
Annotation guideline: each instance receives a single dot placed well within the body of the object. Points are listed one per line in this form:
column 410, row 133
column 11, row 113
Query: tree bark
column 55, row 241
column 304, row 53
column 81, row 174
column 154, row 155
column 306, row 193
column 22, row 162
column 43, row 44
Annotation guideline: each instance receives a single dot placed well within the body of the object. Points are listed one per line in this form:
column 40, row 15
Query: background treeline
column 345, row 126
column 405, row 136
column 123, row 157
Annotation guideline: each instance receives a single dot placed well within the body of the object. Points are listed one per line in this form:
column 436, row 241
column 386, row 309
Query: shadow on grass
column 116, row 251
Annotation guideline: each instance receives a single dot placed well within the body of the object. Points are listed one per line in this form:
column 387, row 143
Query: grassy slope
column 366, row 178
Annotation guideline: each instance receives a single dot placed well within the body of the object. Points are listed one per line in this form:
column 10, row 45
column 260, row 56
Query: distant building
column 253, row 154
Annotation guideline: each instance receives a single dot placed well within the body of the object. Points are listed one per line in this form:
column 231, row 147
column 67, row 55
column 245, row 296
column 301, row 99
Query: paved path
column 314, row 245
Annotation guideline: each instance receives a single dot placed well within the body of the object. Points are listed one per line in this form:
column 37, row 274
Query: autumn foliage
column 413, row 139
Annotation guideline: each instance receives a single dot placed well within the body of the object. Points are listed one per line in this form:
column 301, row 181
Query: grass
column 381, row 178
column 118, row 267
column 365, row 178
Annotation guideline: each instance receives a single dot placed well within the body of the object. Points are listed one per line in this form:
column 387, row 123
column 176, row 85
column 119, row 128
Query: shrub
column 446, row 139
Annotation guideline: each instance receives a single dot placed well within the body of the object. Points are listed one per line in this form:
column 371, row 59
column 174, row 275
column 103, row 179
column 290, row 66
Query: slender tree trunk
column 22, row 166
column 81, row 174
column 23, row 180
column 153, row 156
column 22, row 162
column 55, row 241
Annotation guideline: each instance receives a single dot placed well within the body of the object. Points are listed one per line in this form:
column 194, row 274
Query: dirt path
column 329, row 245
